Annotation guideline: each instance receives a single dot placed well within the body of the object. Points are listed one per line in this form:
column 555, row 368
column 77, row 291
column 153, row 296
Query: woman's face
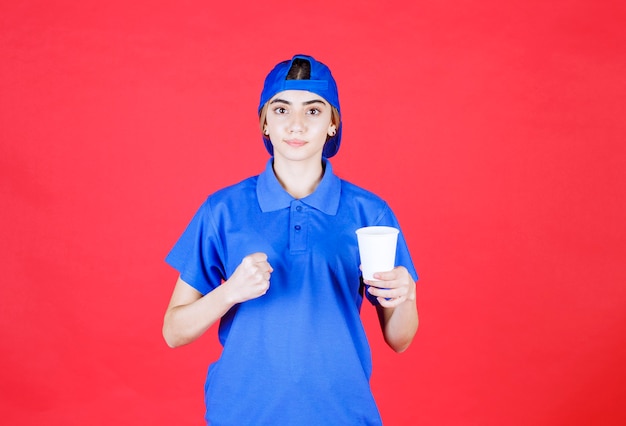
column 298, row 123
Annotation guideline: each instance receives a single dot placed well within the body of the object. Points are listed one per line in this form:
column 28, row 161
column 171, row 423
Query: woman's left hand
column 392, row 287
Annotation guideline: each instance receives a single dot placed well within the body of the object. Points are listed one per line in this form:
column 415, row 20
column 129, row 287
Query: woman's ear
column 332, row 129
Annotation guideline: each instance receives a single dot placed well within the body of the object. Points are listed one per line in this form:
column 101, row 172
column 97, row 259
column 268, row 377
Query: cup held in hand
column 377, row 249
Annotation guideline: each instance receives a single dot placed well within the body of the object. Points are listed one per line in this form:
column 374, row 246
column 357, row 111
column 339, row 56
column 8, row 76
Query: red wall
column 494, row 129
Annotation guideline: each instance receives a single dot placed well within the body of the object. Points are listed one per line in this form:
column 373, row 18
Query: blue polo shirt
column 297, row 355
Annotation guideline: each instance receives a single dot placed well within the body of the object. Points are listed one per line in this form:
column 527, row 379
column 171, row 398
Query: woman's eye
column 280, row 110
column 314, row 111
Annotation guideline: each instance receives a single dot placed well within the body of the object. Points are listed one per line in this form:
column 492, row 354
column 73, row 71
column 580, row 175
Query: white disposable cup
column 377, row 249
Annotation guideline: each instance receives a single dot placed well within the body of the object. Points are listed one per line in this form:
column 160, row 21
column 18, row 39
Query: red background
column 495, row 130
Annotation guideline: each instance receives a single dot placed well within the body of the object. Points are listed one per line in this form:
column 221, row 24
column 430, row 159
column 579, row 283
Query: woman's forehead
column 297, row 96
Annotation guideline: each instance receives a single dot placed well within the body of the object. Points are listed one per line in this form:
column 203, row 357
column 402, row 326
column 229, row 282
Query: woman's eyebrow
column 281, row 101
column 314, row 101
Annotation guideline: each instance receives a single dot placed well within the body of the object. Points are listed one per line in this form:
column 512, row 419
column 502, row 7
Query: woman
column 275, row 259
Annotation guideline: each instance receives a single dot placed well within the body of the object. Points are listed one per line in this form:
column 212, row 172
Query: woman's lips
column 295, row 142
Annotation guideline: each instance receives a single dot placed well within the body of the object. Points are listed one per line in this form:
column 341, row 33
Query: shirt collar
column 272, row 196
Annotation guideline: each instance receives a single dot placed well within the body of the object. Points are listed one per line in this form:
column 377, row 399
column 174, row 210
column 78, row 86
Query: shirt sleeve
column 403, row 257
column 197, row 255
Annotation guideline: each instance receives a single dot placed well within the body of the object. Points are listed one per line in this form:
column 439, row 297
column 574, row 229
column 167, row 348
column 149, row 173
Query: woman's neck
column 299, row 179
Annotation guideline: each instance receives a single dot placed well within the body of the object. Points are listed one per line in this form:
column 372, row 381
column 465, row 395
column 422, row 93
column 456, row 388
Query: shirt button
column 299, row 208
column 297, row 227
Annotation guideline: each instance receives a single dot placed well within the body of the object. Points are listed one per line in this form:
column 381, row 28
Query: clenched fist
column 251, row 279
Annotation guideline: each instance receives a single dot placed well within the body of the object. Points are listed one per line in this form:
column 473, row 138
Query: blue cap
column 321, row 83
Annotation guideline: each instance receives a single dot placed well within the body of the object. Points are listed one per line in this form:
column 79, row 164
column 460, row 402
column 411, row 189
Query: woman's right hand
column 251, row 279
column 190, row 314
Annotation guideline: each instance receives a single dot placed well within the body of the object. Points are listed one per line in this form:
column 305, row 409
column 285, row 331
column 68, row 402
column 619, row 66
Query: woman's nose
column 296, row 124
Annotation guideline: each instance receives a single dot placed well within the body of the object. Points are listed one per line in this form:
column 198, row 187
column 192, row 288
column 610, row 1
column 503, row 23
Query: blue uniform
column 297, row 355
